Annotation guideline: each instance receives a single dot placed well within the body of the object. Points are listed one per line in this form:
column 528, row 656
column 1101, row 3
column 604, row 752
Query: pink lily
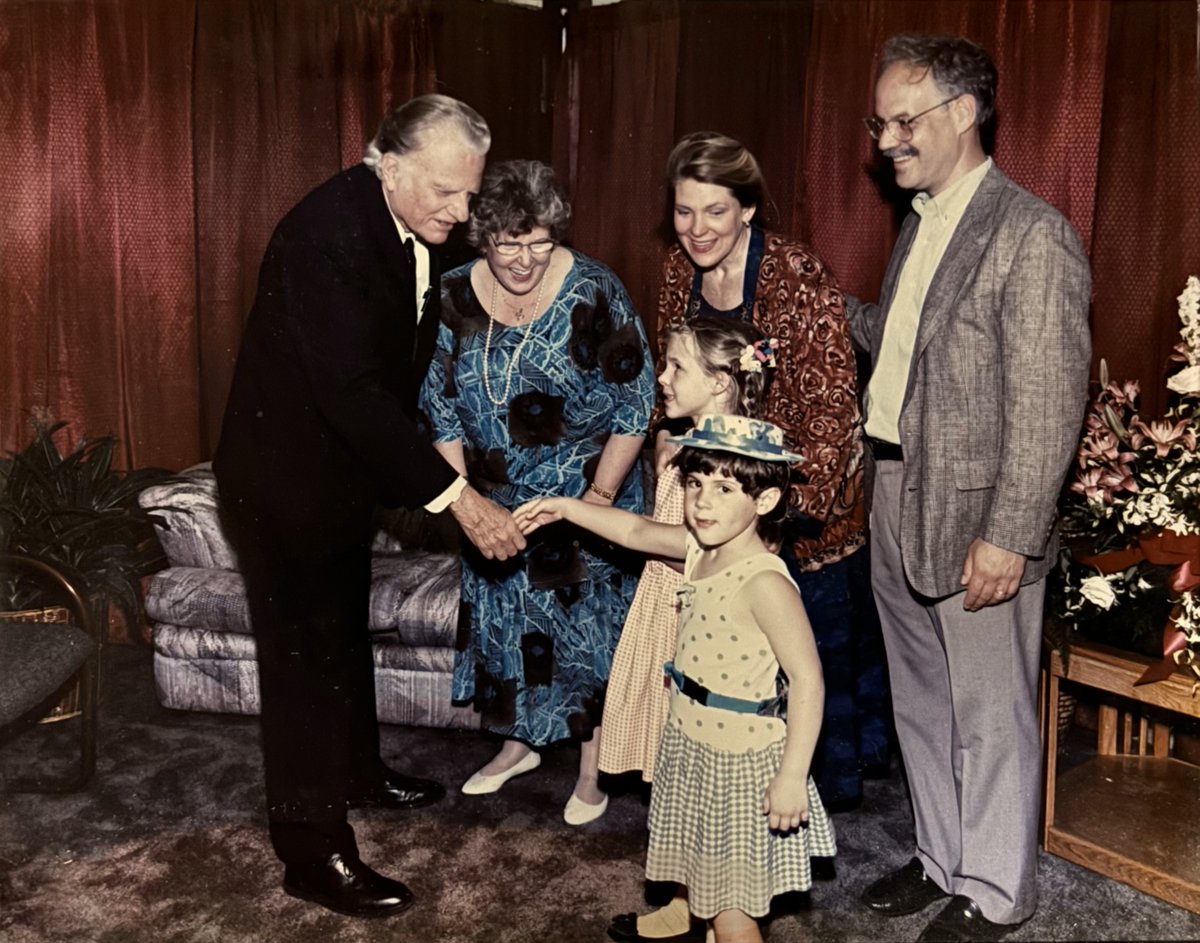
column 1088, row 484
column 1118, row 478
column 1162, row 433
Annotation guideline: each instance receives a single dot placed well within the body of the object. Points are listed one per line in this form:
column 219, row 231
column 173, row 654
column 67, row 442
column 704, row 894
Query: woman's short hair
column 715, row 158
column 402, row 130
column 958, row 66
column 517, row 196
column 720, row 344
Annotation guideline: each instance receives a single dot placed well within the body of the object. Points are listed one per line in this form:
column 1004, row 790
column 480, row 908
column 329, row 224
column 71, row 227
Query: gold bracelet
column 606, row 495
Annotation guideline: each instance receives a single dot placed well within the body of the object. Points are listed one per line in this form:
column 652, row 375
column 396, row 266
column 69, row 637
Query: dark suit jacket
column 996, row 391
column 320, row 424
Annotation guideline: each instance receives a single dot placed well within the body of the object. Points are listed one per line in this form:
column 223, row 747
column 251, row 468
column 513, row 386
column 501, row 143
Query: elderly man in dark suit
column 980, row 356
column 320, row 427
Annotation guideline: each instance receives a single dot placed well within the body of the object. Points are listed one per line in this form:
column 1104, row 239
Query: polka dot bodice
column 720, row 647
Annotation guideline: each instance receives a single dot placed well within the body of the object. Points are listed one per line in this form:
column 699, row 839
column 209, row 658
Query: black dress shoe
column 904, row 891
column 623, row 929
column 346, row 885
column 394, row 790
column 961, row 921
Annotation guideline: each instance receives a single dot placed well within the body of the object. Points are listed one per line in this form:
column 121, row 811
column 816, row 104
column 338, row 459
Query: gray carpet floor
column 168, row 844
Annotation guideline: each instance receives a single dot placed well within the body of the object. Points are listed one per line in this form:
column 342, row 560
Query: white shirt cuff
column 447, row 497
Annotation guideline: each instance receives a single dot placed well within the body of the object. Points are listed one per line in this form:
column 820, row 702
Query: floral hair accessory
column 756, row 354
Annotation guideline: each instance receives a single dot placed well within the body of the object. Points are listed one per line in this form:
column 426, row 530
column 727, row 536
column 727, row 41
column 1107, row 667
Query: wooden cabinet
column 1131, row 812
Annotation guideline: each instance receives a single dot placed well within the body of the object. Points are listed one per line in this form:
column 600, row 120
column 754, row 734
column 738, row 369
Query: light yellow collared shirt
column 940, row 216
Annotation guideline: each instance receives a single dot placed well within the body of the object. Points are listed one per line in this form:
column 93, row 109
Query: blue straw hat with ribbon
column 740, row 435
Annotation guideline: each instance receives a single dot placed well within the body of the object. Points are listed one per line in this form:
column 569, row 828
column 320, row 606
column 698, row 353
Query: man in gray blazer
column 980, row 357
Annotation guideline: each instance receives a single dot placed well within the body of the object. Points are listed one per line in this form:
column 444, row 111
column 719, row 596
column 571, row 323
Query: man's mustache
column 893, row 152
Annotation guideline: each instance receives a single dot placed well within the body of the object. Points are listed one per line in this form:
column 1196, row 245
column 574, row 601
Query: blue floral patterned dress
column 537, row 633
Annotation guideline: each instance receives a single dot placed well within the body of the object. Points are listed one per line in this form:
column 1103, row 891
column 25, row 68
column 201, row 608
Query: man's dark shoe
column 904, row 891
column 394, row 790
column 961, row 921
column 623, row 929
column 347, row 886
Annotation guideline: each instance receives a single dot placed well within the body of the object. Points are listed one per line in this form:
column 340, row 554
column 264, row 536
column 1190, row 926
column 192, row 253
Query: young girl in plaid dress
column 710, row 365
column 734, row 814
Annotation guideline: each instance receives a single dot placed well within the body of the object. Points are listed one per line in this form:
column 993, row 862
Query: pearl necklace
column 487, row 344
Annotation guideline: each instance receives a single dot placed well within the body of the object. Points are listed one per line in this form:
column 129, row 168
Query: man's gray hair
column 402, row 130
column 958, row 66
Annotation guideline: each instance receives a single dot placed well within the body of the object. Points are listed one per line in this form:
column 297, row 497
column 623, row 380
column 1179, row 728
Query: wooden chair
column 41, row 651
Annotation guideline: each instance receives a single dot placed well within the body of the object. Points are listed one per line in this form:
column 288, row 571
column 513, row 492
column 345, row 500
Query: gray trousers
column 964, row 692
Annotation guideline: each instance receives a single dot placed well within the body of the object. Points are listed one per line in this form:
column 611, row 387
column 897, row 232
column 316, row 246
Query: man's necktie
column 410, row 262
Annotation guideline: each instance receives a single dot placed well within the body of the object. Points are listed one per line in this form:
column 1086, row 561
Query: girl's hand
column 537, row 513
column 785, row 803
column 664, row 451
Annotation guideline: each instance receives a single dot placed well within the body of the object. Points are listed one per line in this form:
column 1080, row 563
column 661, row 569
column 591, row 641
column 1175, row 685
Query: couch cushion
column 189, row 506
column 211, row 645
column 417, row 594
column 414, row 593
column 199, row 597
column 402, row 696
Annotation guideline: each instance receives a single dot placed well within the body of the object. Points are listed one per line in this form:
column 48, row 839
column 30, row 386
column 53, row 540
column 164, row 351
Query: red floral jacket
column 813, row 396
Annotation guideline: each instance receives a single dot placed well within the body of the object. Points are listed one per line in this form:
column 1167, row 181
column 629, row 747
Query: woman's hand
column 785, row 803
column 537, row 513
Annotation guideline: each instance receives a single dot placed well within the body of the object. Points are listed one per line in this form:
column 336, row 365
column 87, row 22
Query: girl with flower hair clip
column 712, row 365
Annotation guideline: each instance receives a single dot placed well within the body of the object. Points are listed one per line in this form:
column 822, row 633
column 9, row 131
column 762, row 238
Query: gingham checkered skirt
column 708, row 831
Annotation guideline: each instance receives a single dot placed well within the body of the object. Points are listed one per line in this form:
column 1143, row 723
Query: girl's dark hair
column 719, row 346
column 754, row 475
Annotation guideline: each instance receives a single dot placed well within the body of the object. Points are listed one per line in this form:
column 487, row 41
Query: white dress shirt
column 421, row 253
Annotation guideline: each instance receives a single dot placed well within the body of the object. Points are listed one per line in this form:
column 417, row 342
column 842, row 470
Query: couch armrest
column 193, row 536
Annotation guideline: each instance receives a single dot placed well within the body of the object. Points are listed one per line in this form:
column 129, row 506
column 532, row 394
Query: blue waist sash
column 771, row 707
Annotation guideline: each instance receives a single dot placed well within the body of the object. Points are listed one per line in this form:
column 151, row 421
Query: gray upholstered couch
column 204, row 648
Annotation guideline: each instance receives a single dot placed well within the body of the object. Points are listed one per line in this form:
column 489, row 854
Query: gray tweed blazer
column 997, row 387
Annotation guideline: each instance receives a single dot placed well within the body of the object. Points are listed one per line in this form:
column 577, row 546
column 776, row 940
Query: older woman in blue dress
column 542, row 383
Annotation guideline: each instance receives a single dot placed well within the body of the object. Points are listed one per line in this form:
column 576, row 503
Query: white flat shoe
column 481, row 783
column 579, row 812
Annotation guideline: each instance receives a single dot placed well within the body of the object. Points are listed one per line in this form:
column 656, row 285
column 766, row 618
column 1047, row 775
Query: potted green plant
column 81, row 515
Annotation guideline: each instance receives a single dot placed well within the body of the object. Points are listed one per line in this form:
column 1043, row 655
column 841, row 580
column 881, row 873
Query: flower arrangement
column 1130, row 565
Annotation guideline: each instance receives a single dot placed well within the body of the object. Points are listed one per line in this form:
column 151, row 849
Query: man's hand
column 487, row 525
column 991, row 574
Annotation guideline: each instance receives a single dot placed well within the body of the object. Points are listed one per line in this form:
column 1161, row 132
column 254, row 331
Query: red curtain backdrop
column 98, row 273
column 613, row 131
column 286, row 94
column 149, row 148
column 1147, row 236
column 1048, row 107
